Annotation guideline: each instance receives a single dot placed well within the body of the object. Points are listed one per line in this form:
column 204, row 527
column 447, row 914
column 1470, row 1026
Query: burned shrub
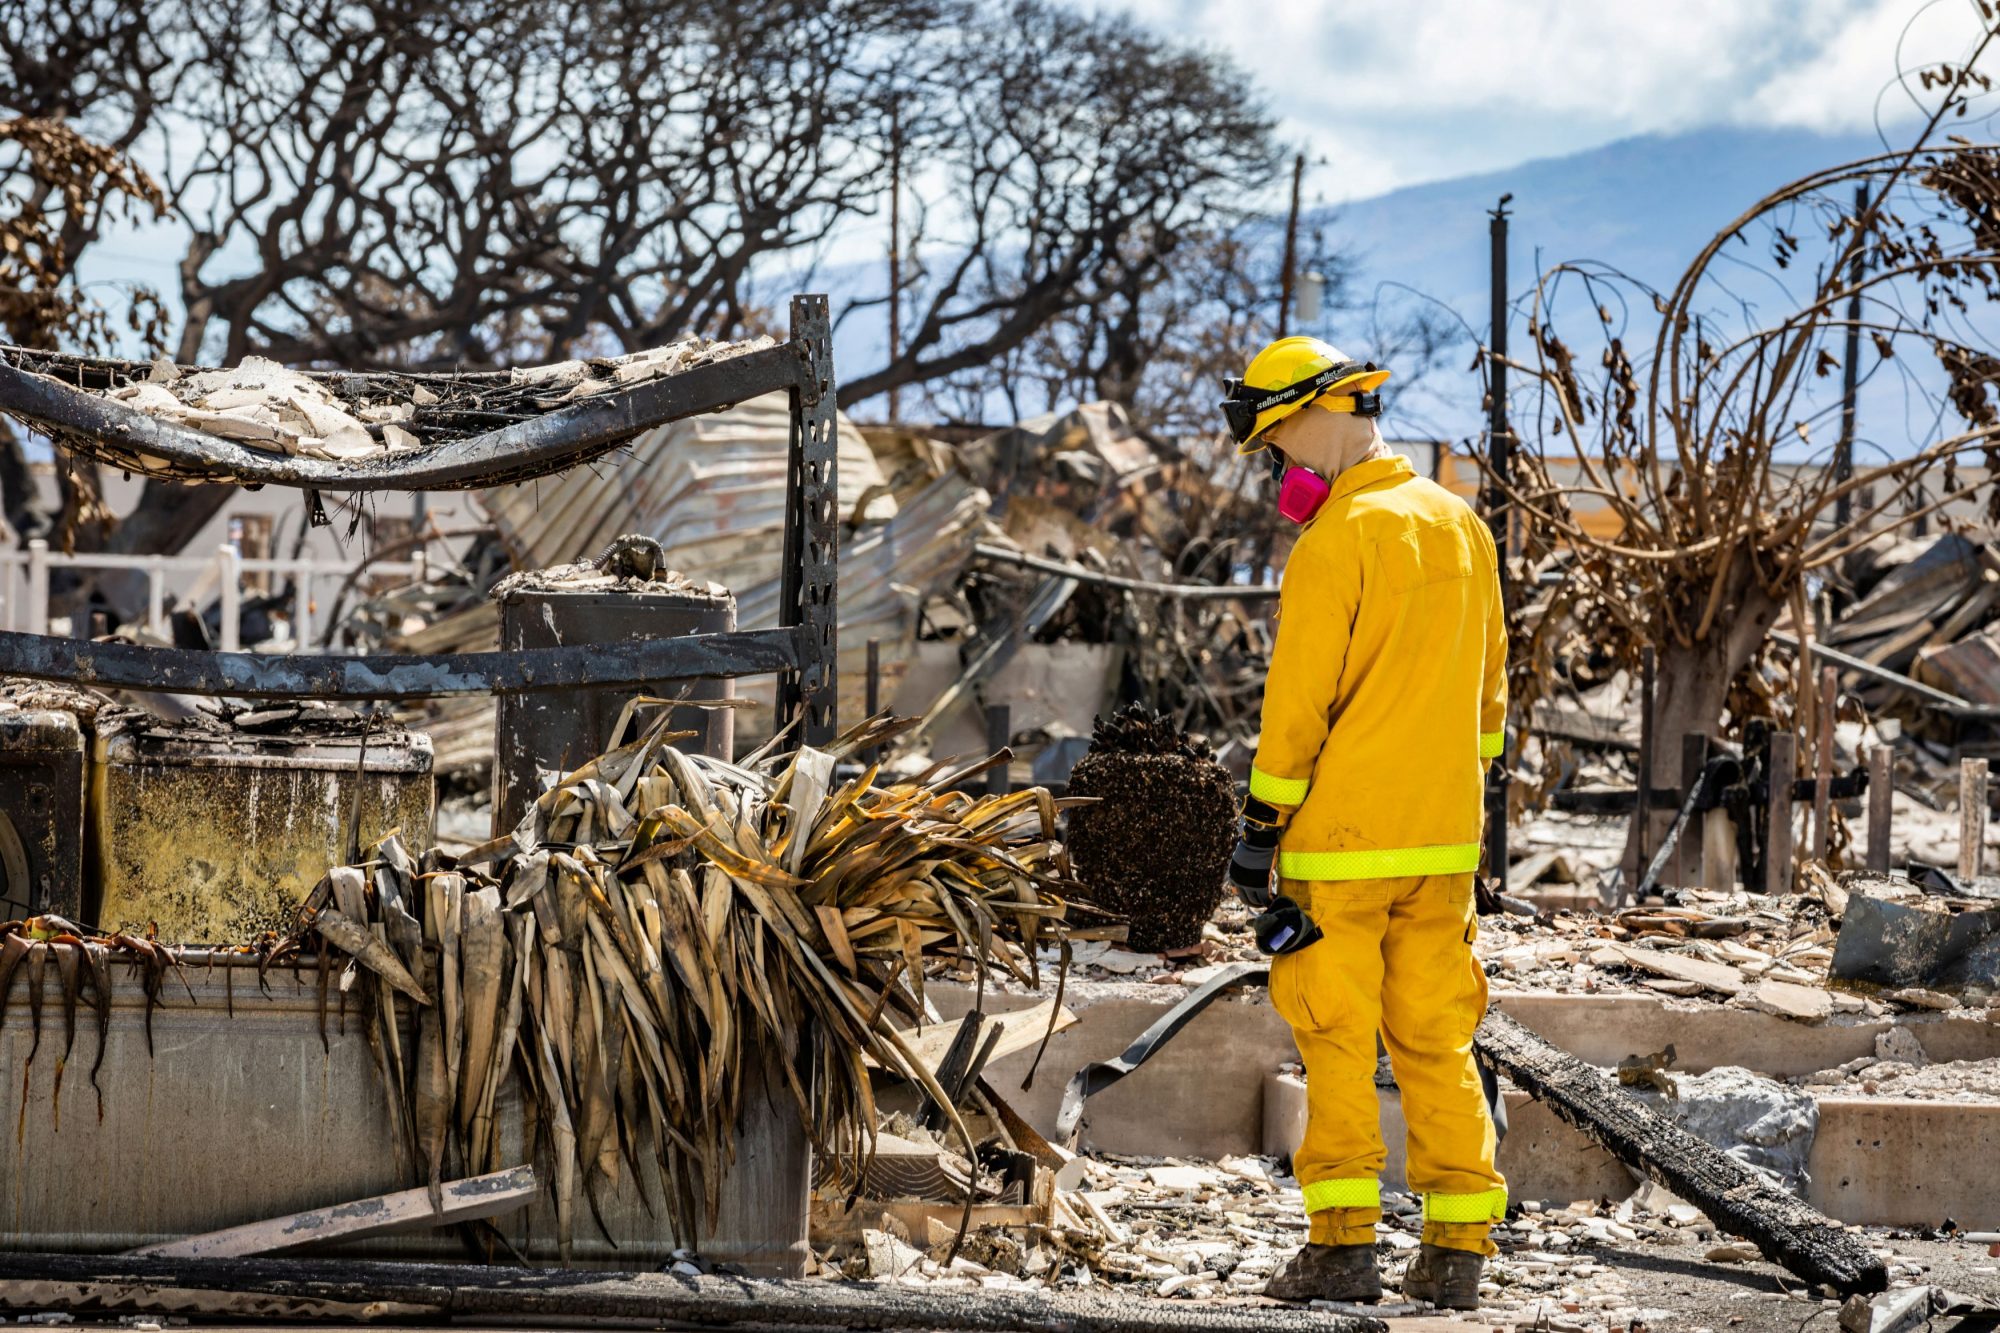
column 1155, row 848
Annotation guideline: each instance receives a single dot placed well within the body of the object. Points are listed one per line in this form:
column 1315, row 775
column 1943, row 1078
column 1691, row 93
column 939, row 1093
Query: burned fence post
column 873, row 754
column 1782, row 767
column 229, row 573
column 1694, row 758
column 1643, row 811
column 38, row 587
column 874, row 695
column 1971, row 816
column 1719, row 866
column 1881, row 762
column 999, row 731
column 1829, row 686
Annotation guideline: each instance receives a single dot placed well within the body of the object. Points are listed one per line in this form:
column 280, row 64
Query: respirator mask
column 1301, row 491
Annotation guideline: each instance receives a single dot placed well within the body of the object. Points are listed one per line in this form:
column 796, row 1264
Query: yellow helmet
column 1287, row 375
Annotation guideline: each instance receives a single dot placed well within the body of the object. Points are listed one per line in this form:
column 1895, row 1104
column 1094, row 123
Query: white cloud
column 1403, row 91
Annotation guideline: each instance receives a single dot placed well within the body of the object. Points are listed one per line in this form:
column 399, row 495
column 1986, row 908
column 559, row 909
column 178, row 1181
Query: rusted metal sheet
column 709, row 488
column 555, row 440
column 246, row 1114
column 397, row 676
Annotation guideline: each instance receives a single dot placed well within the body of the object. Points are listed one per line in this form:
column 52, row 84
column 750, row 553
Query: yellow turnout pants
column 1396, row 958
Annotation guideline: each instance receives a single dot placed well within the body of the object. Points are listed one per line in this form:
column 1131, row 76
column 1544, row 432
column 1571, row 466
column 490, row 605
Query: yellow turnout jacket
column 1387, row 692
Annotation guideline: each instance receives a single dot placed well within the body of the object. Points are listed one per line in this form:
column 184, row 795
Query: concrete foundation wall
column 1882, row 1161
column 1215, row 1091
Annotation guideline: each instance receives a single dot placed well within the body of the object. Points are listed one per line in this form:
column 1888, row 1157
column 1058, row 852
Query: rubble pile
column 1213, row 1233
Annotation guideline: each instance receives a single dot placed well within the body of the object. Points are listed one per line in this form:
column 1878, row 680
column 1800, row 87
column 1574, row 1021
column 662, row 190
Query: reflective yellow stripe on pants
column 1397, row 958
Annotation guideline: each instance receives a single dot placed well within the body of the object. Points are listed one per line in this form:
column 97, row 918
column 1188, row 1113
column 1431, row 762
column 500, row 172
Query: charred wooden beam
column 1737, row 1199
column 266, row 1289
column 1620, row 800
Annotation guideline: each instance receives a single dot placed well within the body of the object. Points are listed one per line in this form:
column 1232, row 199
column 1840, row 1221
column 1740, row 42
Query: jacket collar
column 1393, row 468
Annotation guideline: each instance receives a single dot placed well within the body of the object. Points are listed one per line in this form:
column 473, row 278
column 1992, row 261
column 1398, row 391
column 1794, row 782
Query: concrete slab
column 1875, row 1160
column 1604, row 1029
column 1201, row 1097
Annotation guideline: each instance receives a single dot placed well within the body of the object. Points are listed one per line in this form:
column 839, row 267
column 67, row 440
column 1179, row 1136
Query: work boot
column 1448, row 1279
column 1328, row 1273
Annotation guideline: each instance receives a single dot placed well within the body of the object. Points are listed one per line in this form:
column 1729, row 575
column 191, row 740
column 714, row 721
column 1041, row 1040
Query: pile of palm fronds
column 658, row 921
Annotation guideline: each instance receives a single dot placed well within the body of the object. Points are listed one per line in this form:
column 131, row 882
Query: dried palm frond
column 660, row 920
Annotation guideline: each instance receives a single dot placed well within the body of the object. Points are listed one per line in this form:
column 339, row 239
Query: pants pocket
column 1299, row 989
column 1285, row 988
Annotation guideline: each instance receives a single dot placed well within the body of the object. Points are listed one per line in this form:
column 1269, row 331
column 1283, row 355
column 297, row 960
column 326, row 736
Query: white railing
column 28, row 571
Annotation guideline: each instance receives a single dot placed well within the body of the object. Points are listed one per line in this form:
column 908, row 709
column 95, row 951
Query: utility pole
column 1499, row 468
column 1850, row 373
column 1285, row 278
column 895, row 250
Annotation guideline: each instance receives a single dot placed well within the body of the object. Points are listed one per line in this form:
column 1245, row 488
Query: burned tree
column 1714, row 531
column 1079, row 158
column 66, row 187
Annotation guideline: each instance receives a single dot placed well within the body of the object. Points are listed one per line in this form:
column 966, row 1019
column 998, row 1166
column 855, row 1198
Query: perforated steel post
column 812, row 540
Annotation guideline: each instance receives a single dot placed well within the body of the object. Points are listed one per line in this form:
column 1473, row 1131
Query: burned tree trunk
column 1691, row 695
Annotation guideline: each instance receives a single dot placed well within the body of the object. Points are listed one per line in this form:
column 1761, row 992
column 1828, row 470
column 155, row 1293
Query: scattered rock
column 1900, row 1044
column 1923, row 999
column 1736, row 1252
column 1684, row 967
column 890, row 1259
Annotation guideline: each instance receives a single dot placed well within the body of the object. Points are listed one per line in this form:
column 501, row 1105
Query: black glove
column 1256, row 852
column 1250, row 874
column 1284, row 928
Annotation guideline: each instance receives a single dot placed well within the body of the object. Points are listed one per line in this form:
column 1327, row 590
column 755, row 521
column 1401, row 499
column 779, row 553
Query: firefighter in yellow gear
column 1385, row 702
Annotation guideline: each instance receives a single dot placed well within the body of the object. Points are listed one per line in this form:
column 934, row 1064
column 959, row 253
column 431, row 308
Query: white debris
column 258, row 402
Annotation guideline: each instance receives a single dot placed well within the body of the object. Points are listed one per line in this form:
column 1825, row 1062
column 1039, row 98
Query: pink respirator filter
column 1301, row 494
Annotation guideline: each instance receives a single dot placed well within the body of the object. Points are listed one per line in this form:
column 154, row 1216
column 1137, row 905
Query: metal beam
column 1950, row 703
column 1186, row 591
column 125, row 666
column 810, row 590
column 562, row 438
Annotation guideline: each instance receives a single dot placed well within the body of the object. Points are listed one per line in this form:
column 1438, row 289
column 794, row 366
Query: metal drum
column 562, row 729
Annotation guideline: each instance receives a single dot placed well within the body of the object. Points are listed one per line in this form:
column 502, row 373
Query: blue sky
column 1396, row 92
